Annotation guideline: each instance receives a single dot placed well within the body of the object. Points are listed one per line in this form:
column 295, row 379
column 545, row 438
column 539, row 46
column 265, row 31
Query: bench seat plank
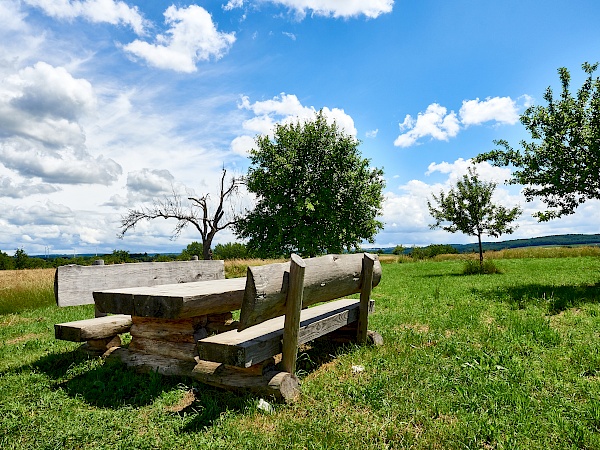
column 260, row 342
column 174, row 301
column 90, row 329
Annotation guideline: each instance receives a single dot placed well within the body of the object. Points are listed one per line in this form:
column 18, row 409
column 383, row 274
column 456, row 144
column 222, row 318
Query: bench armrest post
column 292, row 314
column 365, row 296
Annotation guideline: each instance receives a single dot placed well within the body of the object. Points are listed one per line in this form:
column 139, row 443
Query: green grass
column 509, row 360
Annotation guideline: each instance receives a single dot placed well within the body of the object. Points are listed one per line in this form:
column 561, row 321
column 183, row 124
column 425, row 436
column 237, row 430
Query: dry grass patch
column 24, row 338
column 236, row 268
column 30, row 279
column 416, row 327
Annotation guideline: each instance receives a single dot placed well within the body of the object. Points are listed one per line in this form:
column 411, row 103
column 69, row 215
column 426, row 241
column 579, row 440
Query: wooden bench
column 74, row 285
column 272, row 321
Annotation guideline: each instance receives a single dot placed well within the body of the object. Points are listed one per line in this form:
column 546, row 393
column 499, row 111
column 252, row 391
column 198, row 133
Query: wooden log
column 171, row 330
column 281, row 385
column 97, row 328
column 174, row 301
column 145, row 363
column 99, row 346
column 263, row 341
column 326, row 278
column 365, row 297
column 175, row 350
column 292, row 314
column 73, row 285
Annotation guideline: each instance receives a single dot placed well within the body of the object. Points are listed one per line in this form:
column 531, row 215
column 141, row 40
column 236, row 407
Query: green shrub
column 473, row 267
column 398, row 250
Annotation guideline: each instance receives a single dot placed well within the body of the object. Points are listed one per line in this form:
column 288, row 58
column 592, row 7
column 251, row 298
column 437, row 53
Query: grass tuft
column 474, row 267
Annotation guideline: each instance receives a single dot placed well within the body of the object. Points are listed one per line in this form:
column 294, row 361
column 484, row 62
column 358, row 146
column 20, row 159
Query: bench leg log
column 260, row 379
column 98, row 347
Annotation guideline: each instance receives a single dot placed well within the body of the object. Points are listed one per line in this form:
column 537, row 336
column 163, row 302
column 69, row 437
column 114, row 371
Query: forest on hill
column 544, row 241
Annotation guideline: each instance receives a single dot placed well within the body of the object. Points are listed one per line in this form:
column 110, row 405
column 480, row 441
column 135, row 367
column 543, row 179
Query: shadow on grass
column 554, row 298
column 113, row 385
column 110, row 384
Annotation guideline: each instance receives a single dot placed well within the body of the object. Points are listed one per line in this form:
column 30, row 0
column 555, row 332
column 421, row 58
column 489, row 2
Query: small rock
column 263, row 405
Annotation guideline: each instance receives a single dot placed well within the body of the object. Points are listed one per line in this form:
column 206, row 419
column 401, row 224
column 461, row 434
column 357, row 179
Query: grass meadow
column 509, row 360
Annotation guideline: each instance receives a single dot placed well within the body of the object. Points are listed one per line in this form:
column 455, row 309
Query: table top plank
column 174, row 301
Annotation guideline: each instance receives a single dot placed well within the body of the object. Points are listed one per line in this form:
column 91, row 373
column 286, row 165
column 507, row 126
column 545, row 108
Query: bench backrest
column 74, row 285
column 325, row 278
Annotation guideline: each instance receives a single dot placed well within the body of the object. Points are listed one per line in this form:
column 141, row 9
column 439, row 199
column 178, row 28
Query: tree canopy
column 468, row 208
column 561, row 165
column 314, row 192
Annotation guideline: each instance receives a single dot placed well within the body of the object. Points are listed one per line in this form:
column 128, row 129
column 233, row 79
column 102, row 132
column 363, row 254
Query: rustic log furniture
column 187, row 329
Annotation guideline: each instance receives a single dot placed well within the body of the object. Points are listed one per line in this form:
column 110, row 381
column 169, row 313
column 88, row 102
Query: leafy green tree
column 231, row 250
column 194, row 248
column 6, row 262
column 468, row 208
column 398, row 250
column 118, row 257
column 21, row 259
column 314, row 192
column 562, row 163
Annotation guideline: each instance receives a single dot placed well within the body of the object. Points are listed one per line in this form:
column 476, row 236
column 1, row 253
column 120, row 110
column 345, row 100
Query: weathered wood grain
column 326, row 278
column 145, row 363
column 73, row 285
column 175, row 350
column 292, row 314
column 282, row 385
column 365, row 297
column 174, row 301
column 263, row 341
column 181, row 330
column 89, row 329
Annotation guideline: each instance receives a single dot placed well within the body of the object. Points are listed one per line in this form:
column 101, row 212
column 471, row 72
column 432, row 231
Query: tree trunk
column 480, row 251
column 206, row 244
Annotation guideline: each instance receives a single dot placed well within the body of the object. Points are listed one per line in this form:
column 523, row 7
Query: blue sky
column 107, row 104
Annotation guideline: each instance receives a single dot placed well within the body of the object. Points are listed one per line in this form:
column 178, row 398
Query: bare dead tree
column 197, row 214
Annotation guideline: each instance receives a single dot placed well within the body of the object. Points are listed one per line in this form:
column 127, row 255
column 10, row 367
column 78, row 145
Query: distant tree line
column 21, row 260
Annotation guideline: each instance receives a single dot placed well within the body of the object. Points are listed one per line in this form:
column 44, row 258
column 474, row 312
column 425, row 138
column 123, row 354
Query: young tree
column 314, row 192
column 562, row 163
column 468, row 208
column 198, row 214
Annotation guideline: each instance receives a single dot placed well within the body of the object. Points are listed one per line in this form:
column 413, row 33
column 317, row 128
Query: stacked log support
column 175, row 338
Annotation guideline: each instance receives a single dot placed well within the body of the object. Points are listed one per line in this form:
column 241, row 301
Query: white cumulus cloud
column 435, row 122
column 108, row 11
column 285, row 108
column 328, row 8
column 503, row 110
column 192, row 36
column 150, row 183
